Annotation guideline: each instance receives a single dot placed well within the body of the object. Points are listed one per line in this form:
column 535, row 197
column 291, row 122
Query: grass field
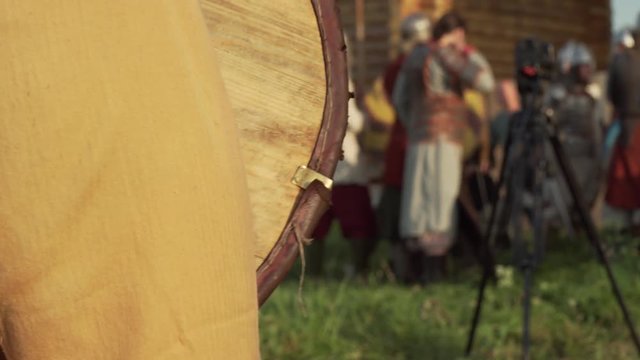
column 575, row 315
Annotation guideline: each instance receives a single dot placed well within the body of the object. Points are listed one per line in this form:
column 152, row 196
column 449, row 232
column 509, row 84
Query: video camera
column 524, row 170
column 535, row 65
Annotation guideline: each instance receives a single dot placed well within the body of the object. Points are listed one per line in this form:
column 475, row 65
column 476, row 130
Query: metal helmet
column 625, row 39
column 415, row 27
column 573, row 54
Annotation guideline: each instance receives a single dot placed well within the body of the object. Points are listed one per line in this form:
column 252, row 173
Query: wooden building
column 494, row 26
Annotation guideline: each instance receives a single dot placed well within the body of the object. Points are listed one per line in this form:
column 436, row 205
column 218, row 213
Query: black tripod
column 524, row 170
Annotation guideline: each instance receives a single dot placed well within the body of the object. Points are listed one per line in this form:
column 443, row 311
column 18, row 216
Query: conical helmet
column 575, row 53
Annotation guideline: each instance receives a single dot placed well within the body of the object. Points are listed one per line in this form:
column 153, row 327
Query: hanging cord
column 302, row 242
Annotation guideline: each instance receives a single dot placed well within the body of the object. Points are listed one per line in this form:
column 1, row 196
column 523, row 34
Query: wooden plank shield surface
column 284, row 67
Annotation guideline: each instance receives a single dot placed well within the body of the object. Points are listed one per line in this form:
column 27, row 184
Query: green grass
column 575, row 315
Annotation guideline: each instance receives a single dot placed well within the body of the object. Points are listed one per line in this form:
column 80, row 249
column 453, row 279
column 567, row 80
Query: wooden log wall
column 368, row 25
column 372, row 27
column 496, row 25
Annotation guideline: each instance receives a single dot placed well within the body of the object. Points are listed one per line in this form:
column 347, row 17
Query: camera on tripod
column 532, row 131
column 535, row 65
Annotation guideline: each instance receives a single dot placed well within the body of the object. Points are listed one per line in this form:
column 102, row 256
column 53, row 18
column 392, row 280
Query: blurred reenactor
column 623, row 190
column 429, row 99
column 378, row 107
column 623, row 42
column 351, row 201
column 579, row 116
column 415, row 29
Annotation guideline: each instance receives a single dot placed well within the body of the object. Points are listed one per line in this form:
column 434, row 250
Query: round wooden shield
column 284, row 67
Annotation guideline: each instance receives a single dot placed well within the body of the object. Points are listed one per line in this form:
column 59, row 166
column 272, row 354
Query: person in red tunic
column 623, row 190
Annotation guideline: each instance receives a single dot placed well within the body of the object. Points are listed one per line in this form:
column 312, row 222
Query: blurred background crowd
column 434, row 98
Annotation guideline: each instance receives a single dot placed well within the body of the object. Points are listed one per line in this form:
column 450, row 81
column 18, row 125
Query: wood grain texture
column 315, row 199
column 273, row 67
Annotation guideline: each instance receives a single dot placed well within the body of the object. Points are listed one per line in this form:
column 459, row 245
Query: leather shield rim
column 326, row 153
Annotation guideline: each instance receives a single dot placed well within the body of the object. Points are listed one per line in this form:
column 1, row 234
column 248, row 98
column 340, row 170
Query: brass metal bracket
column 304, row 176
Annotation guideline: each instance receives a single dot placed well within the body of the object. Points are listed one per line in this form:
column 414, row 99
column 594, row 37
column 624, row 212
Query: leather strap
column 313, row 202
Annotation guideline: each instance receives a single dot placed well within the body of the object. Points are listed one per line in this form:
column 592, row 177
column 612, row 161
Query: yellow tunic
column 124, row 221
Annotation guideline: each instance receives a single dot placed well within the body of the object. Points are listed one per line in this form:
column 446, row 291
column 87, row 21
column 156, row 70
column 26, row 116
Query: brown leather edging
column 315, row 200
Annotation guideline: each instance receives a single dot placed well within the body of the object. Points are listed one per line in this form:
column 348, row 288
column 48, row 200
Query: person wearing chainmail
column 579, row 115
column 428, row 97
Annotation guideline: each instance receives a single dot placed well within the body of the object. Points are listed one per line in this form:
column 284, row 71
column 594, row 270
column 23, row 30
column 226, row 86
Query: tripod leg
column 476, row 313
column 488, row 270
column 523, row 255
column 533, row 256
column 472, row 220
column 592, row 233
column 487, row 273
column 497, row 213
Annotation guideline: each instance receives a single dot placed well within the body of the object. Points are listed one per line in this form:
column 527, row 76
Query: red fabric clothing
column 352, row 208
column 391, row 74
column 623, row 189
column 468, row 50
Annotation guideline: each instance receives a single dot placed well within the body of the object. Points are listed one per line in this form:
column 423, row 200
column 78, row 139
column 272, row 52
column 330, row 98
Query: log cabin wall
column 496, row 25
column 372, row 27
column 368, row 26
